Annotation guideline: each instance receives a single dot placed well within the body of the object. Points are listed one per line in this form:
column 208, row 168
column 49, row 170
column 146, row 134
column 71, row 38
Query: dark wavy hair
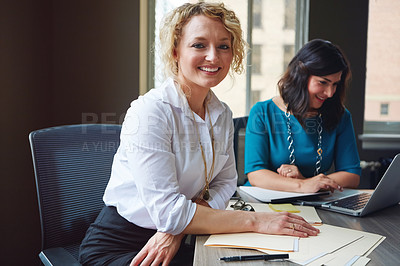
column 318, row 58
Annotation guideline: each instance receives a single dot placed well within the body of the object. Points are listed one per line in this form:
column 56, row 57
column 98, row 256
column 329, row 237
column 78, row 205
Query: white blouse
column 158, row 168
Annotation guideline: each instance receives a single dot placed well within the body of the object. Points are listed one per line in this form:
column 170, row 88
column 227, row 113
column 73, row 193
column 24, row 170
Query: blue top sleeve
column 266, row 144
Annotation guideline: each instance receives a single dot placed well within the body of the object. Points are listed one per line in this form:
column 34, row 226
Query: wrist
column 180, row 236
column 300, row 185
column 251, row 223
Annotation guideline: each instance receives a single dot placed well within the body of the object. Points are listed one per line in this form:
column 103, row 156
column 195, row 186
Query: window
column 288, row 52
column 290, row 14
column 257, row 14
column 382, row 92
column 384, row 108
column 255, row 97
column 273, row 46
column 256, row 59
column 383, row 79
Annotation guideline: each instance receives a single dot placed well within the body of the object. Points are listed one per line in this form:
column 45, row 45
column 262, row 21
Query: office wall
column 95, row 59
column 61, row 62
column 25, row 93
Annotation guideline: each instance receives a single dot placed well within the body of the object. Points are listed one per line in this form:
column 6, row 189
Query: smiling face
column 321, row 88
column 204, row 53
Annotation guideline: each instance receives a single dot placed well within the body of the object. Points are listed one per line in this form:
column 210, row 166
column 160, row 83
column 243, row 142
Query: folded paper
column 262, row 242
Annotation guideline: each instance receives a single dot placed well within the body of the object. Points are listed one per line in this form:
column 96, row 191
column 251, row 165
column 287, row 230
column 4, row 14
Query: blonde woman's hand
column 284, row 223
column 159, row 250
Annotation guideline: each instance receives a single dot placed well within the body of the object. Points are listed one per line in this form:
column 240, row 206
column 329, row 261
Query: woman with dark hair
column 293, row 140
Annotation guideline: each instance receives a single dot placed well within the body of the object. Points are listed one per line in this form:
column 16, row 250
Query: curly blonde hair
column 173, row 23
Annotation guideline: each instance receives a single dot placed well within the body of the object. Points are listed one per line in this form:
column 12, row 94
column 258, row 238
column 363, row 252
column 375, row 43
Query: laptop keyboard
column 354, row 202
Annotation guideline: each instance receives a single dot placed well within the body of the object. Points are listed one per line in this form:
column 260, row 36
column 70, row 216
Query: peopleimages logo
column 102, row 118
column 278, row 124
column 144, row 132
column 100, row 146
column 175, row 147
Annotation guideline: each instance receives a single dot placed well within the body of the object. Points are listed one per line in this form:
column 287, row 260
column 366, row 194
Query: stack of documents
column 332, row 246
column 335, row 246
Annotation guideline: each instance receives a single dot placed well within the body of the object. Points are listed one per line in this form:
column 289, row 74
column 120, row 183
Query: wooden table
column 385, row 222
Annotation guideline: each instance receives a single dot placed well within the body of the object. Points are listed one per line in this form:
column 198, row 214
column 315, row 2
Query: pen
column 309, row 203
column 256, row 257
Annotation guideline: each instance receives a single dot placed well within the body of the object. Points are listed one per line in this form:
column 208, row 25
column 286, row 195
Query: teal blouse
column 266, row 144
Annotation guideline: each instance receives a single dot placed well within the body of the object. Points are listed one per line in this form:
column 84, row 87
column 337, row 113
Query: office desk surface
column 385, row 222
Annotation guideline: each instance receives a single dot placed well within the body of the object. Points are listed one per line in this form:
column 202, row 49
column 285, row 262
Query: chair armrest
column 57, row 256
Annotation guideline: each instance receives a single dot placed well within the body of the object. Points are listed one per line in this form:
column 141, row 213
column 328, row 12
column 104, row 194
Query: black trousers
column 112, row 240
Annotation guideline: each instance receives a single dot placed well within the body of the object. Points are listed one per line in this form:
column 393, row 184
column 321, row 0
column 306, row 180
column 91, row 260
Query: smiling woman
column 156, row 193
column 203, row 58
column 292, row 141
column 321, row 89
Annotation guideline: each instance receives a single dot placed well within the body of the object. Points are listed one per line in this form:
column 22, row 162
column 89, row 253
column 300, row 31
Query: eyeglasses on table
column 241, row 205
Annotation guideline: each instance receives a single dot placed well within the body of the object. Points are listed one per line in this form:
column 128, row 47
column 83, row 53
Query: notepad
column 284, row 207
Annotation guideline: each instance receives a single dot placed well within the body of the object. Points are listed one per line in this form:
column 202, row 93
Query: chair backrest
column 239, row 124
column 72, row 166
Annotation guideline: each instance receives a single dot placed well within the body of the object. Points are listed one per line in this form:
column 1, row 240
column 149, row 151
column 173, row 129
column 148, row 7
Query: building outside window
column 257, row 14
column 290, row 14
column 288, row 51
column 384, row 108
column 383, row 68
column 256, row 62
column 255, row 97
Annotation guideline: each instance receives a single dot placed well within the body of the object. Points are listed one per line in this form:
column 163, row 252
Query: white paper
column 352, row 254
column 330, row 239
column 254, row 241
column 267, row 195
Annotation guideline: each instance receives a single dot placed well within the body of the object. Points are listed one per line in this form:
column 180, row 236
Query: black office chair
column 239, row 124
column 72, row 166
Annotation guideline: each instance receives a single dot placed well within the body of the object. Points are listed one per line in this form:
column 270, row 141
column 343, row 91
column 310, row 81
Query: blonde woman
column 174, row 171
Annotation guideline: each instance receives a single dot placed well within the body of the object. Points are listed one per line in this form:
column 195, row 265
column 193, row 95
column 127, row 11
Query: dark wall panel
column 96, row 59
column 59, row 61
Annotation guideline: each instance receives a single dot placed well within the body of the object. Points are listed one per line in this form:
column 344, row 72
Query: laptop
column 360, row 203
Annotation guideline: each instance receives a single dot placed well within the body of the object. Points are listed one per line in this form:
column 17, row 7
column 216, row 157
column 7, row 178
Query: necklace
column 292, row 158
column 205, row 194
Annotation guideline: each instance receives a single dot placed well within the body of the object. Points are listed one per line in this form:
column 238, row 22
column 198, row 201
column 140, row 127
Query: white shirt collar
column 172, row 96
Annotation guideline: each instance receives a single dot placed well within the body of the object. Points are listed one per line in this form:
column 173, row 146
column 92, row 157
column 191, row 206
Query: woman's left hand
column 290, row 170
column 159, row 250
column 283, row 223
